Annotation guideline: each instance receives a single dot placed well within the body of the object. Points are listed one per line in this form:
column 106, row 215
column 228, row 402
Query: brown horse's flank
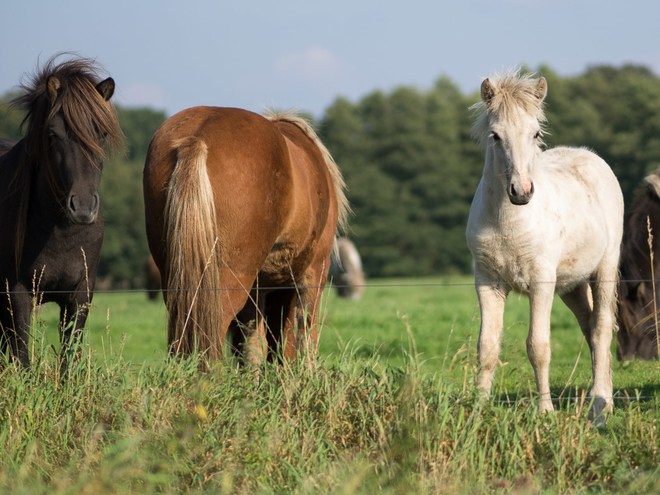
column 337, row 178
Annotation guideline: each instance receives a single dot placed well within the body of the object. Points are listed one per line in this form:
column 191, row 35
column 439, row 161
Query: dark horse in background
column 637, row 324
column 241, row 215
column 51, row 226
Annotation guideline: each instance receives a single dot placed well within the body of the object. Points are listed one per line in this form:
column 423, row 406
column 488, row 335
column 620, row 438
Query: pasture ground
column 388, row 406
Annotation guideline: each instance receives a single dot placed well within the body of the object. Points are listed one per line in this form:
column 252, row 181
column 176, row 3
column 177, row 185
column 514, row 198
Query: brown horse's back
column 275, row 215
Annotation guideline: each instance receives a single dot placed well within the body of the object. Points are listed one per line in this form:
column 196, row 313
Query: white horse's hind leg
column 538, row 340
column 602, row 324
column 580, row 302
column 491, row 303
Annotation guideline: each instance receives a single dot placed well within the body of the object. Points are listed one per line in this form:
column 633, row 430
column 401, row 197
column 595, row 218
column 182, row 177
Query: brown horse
column 637, row 327
column 241, row 215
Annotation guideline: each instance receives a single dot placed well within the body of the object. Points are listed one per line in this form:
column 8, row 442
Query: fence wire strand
column 334, row 286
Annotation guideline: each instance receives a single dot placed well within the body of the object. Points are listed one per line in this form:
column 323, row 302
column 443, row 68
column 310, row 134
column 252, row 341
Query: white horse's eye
column 495, row 136
column 538, row 133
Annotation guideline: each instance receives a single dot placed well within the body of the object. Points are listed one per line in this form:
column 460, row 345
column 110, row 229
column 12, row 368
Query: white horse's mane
column 512, row 92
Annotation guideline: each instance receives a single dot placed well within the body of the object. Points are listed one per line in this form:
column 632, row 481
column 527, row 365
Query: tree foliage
column 409, row 162
column 412, row 169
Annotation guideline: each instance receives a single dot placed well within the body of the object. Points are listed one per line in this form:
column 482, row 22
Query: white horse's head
column 510, row 127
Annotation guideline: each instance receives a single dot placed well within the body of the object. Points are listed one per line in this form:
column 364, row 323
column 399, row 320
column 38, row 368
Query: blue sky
column 303, row 54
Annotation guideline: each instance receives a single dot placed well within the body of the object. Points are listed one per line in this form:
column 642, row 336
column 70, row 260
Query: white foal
column 540, row 223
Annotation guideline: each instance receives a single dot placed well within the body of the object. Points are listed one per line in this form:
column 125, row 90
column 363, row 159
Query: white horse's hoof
column 599, row 408
column 545, row 406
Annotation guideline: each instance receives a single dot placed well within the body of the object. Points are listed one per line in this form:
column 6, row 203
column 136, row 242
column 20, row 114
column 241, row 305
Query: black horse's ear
column 487, row 91
column 106, row 88
column 52, row 87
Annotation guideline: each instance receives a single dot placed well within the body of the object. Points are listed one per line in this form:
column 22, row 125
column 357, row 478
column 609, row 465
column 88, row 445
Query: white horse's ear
column 541, row 89
column 487, row 91
column 52, row 87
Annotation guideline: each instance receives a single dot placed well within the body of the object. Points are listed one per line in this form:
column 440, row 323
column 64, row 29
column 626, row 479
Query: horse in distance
column 346, row 270
column 637, row 338
column 241, row 216
column 542, row 222
column 51, row 222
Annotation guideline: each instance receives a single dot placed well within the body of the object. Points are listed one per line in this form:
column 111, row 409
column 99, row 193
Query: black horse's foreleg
column 73, row 316
column 15, row 325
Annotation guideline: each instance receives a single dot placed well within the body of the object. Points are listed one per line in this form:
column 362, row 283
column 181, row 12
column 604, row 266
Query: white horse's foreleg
column 538, row 340
column 602, row 324
column 491, row 303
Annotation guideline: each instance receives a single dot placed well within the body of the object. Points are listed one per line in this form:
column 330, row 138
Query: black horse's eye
column 496, row 136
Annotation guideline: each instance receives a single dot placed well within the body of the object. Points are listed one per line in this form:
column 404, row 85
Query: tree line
column 409, row 163
column 412, row 169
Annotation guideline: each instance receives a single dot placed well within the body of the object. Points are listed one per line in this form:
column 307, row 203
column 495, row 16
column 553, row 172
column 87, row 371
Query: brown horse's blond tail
column 193, row 253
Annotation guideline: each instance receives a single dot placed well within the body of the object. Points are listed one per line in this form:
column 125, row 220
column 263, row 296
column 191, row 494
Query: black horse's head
column 69, row 121
column 76, row 168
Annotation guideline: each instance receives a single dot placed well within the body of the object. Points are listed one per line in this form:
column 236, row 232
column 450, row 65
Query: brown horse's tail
column 193, row 255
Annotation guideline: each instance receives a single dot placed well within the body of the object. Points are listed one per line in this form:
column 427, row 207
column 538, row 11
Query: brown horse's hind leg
column 281, row 320
column 292, row 316
column 308, row 308
column 247, row 332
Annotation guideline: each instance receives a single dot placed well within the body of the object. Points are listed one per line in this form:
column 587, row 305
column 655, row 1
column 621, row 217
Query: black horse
column 51, row 225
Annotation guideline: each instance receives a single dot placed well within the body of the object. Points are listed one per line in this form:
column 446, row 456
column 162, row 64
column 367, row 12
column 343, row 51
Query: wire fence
column 329, row 285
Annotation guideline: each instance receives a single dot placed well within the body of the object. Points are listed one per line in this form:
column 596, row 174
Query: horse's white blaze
column 560, row 232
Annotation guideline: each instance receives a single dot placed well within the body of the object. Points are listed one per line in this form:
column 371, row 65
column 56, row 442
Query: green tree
column 10, row 118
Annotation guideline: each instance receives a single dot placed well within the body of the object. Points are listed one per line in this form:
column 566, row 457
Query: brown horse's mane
column 86, row 114
column 337, row 178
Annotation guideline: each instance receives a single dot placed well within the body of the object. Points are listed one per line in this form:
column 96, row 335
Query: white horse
column 346, row 270
column 540, row 223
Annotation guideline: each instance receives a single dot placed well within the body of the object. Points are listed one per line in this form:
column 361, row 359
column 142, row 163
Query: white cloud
column 142, row 94
column 313, row 64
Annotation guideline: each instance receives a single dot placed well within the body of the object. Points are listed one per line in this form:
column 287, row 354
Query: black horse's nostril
column 72, row 203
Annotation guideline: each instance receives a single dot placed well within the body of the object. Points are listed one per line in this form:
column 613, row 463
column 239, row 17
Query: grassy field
column 388, row 406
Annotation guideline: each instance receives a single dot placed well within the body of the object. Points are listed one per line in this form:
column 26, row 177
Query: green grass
column 388, row 406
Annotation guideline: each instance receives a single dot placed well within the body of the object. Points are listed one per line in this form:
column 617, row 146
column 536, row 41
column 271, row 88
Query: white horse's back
column 588, row 201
